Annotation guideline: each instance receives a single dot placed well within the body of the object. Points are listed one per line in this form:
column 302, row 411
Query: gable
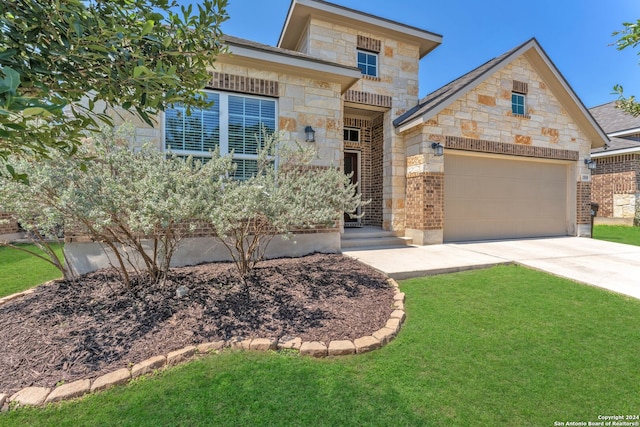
column 537, row 62
column 484, row 112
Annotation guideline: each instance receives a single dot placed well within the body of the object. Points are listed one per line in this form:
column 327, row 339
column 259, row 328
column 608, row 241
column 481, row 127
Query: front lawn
column 20, row 271
column 618, row 234
column 503, row 346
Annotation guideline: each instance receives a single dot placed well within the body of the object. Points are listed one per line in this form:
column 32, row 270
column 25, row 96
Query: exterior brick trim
column 242, row 84
column 520, row 87
column 370, row 44
column 583, row 203
column 484, row 146
column 425, row 201
column 368, row 98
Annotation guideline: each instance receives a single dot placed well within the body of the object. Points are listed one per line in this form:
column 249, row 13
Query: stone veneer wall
column 396, row 86
column 616, row 186
column 370, row 149
column 481, row 121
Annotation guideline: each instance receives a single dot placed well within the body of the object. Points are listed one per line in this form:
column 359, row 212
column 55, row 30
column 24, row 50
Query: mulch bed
column 71, row 330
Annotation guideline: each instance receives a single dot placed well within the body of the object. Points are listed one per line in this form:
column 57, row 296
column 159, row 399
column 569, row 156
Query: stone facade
column 616, row 186
column 395, row 87
column 481, row 121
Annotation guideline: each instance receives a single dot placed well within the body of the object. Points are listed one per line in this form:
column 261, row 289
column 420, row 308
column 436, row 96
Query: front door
column 351, row 166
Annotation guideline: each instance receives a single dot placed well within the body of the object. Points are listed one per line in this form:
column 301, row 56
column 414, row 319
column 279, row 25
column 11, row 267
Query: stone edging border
column 43, row 395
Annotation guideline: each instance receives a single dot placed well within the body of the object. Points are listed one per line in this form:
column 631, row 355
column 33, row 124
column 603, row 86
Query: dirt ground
column 71, row 330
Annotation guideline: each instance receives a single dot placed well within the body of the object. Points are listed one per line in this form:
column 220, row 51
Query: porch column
column 425, row 199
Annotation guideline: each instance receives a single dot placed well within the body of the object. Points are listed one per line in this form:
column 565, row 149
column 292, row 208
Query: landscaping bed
column 71, row 330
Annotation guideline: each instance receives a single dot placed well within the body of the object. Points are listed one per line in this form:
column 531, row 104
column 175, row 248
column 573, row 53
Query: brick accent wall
column 368, row 43
column 614, row 176
column 583, row 203
column 484, row 146
column 243, row 84
column 368, row 98
column 10, row 227
column 370, row 149
column 425, row 201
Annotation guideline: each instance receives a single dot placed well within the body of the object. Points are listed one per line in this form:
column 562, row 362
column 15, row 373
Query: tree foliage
column 628, row 37
column 62, row 62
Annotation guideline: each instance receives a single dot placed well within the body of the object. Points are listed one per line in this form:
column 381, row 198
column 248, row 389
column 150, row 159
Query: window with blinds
column 234, row 124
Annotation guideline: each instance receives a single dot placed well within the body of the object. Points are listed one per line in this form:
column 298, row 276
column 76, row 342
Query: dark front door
column 351, row 167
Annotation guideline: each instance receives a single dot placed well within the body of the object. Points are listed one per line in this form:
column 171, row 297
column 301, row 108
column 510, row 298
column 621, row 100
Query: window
column 518, row 105
column 368, row 63
column 352, row 135
column 233, row 123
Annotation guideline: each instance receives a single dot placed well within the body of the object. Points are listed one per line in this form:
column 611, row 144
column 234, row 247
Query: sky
column 576, row 34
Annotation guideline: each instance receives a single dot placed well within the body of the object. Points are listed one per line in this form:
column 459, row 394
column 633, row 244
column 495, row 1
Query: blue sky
column 576, row 34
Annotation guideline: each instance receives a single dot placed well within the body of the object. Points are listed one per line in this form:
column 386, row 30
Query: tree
column 629, row 37
column 64, row 62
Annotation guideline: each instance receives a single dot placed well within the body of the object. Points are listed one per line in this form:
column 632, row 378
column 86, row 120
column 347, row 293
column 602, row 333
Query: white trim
column 524, row 103
column 631, row 131
column 616, row 152
column 351, row 128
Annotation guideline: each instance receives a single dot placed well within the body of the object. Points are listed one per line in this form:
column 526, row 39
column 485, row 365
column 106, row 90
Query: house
column 616, row 178
column 497, row 153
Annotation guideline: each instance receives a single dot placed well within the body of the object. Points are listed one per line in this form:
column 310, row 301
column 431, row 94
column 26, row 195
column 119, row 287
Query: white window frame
column 375, row 55
column 357, row 130
column 223, row 99
column 524, row 103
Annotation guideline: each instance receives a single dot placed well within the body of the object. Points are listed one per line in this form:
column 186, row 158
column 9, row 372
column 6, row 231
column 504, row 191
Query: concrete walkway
column 608, row 265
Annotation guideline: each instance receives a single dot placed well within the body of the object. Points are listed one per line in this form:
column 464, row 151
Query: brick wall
column 7, row 228
column 425, row 201
column 370, row 149
column 583, row 203
column 614, row 177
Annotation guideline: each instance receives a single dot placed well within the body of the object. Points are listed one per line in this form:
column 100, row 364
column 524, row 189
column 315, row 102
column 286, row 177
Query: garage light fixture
column 310, row 133
column 438, row 149
column 591, row 164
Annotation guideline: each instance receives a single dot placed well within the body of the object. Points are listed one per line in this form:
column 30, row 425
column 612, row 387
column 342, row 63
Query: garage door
column 497, row 198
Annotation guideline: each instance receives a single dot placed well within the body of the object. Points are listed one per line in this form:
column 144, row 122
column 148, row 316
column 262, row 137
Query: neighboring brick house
column 616, row 179
column 514, row 133
column 7, row 229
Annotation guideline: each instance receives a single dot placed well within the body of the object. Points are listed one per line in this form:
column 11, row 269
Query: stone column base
column 425, row 237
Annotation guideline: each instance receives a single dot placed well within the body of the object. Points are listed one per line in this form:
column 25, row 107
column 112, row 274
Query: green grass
column 504, row 346
column 20, row 271
column 618, row 234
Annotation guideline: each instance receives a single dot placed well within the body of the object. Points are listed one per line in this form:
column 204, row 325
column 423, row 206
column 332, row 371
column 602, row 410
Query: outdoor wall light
column 311, row 134
column 591, row 164
column 438, row 149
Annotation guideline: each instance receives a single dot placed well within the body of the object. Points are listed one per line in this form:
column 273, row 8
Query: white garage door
column 497, row 198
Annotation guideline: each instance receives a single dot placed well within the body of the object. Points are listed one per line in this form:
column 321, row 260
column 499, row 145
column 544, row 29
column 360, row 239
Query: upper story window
column 368, row 63
column 519, row 98
column 233, row 123
column 518, row 104
column 352, row 135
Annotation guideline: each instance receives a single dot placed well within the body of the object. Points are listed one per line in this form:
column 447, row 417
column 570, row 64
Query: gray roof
column 250, row 44
column 612, row 119
column 451, row 89
column 618, row 144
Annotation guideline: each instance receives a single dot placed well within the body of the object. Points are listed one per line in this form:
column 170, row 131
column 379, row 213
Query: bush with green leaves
column 286, row 194
column 138, row 205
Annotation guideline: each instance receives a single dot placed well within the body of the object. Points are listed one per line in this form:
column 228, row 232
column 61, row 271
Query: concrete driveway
column 608, row 265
